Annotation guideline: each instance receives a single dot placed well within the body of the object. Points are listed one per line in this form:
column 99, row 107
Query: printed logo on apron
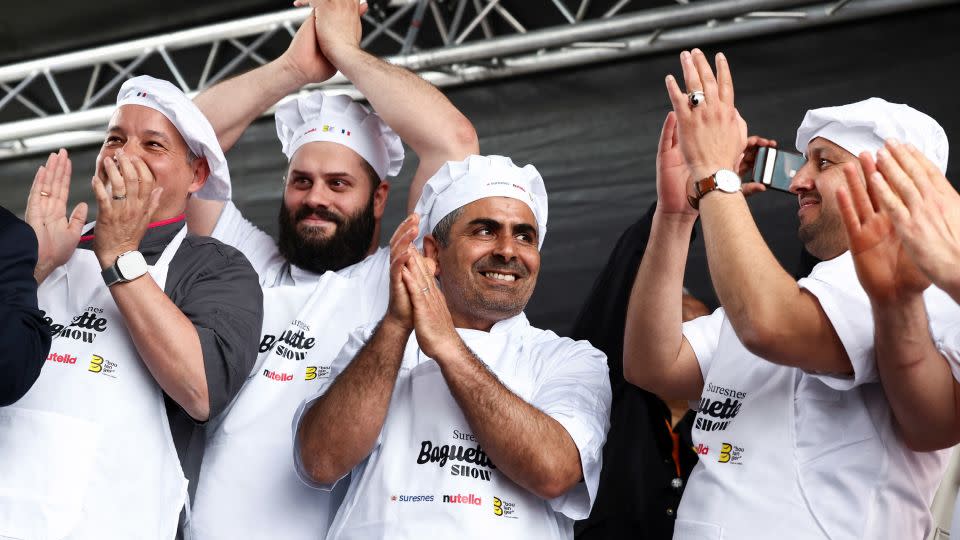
column 85, row 327
column 429, row 476
column 743, row 435
column 304, row 328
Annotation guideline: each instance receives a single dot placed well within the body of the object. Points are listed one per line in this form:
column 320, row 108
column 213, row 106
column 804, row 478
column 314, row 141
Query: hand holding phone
column 775, row 168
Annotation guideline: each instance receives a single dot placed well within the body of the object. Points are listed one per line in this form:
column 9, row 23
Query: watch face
column 728, row 181
column 131, row 265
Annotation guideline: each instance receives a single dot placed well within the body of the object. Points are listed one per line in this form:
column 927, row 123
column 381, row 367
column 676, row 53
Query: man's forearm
column 773, row 317
column 341, row 427
column 653, row 334
column 916, row 379
column 528, row 446
column 232, row 105
column 167, row 342
column 423, row 117
column 747, row 278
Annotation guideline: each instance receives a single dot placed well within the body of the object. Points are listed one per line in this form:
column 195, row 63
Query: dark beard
column 348, row 245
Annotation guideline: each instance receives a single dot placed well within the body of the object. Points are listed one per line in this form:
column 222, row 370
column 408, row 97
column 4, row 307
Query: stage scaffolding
column 65, row 100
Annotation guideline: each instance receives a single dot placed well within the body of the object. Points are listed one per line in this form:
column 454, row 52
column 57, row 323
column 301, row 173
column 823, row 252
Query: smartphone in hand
column 775, row 168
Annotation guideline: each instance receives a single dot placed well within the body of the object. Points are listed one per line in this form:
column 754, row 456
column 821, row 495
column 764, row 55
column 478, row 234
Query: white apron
column 248, row 486
column 87, row 453
column 429, row 478
column 753, row 479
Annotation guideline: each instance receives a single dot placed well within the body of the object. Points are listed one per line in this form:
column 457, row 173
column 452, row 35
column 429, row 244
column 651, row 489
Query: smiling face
column 331, row 211
column 816, row 184
column 489, row 264
column 135, row 130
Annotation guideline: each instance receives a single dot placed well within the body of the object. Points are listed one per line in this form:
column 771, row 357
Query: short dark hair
column 441, row 233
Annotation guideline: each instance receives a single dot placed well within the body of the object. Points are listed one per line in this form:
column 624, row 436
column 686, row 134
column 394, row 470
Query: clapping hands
column 57, row 235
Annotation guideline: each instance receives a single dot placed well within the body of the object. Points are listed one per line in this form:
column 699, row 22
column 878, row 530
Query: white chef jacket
column 274, row 270
column 948, row 342
column 789, row 454
column 397, row 493
column 247, row 487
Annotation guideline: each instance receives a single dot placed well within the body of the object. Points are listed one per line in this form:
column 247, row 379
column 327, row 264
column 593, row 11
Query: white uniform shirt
column 307, row 319
column 947, row 341
column 790, row 454
column 404, row 490
column 262, row 252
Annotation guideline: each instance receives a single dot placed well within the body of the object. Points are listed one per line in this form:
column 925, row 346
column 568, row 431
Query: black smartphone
column 775, row 168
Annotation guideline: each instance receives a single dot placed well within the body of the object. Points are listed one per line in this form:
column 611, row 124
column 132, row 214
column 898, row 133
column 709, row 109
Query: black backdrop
column 592, row 132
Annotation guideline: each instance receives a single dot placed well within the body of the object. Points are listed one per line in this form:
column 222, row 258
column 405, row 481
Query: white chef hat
column 193, row 126
column 864, row 126
column 459, row 183
column 317, row 117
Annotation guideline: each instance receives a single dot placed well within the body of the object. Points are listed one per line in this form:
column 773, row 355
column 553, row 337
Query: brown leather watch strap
column 700, row 188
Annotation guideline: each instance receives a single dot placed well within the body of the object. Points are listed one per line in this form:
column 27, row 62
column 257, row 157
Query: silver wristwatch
column 129, row 266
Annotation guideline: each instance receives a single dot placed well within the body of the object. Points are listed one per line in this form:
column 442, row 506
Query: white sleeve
column 358, row 338
column 835, row 285
column 703, row 335
column 948, row 343
column 576, row 393
column 257, row 246
column 944, row 316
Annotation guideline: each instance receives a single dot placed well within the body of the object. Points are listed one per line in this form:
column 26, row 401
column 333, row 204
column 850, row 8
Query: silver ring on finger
column 425, row 289
column 119, row 197
column 696, row 98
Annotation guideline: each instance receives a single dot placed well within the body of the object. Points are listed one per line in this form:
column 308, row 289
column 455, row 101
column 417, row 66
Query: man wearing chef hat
column 456, row 416
column 326, row 275
column 153, row 330
column 900, row 246
column 793, row 429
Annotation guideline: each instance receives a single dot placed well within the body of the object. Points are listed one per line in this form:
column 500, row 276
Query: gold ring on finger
column 44, row 194
column 425, row 289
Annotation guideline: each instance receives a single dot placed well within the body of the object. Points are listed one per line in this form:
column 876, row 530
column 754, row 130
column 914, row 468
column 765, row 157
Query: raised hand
column 884, row 268
column 57, row 236
column 436, row 333
column 673, row 175
column 712, row 135
column 399, row 309
column 125, row 211
column 924, row 209
column 336, row 23
column 304, row 56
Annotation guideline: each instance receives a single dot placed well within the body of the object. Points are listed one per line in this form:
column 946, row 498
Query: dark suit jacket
column 24, row 336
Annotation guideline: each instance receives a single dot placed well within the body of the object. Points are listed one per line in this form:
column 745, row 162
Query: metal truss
column 66, row 100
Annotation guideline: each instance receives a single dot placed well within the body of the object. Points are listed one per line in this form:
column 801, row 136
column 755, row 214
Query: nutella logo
column 61, row 358
column 701, row 450
column 463, row 499
column 277, row 376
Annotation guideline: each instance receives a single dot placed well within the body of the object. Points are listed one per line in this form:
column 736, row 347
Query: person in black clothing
column 24, row 336
column 646, row 462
